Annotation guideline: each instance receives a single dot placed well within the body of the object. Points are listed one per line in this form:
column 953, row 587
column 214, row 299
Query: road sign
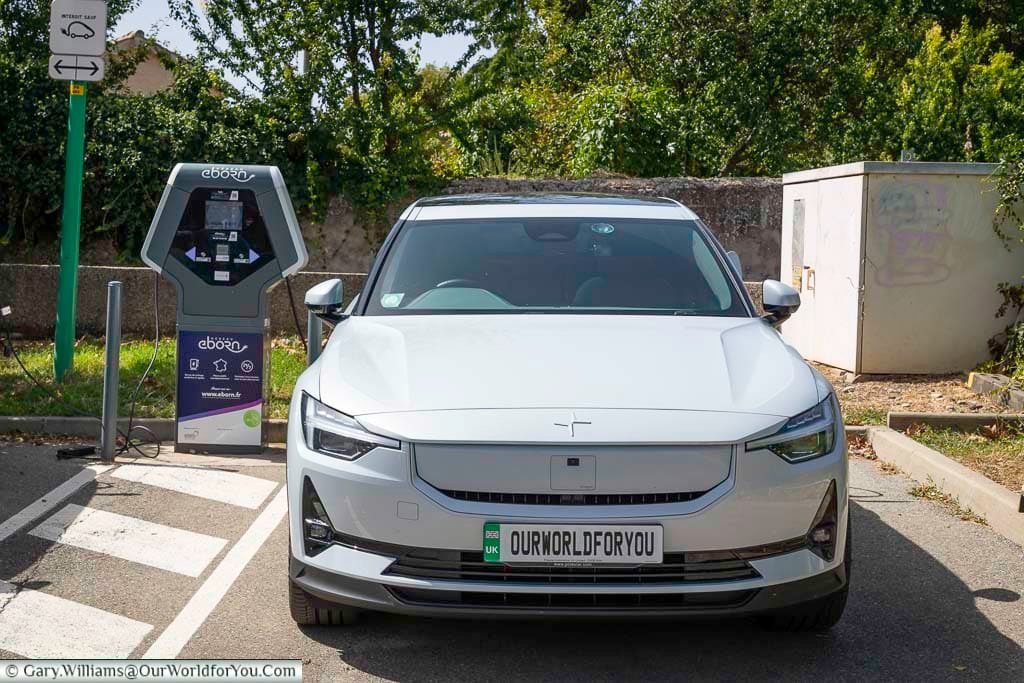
column 78, row 39
column 78, row 27
column 76, row 68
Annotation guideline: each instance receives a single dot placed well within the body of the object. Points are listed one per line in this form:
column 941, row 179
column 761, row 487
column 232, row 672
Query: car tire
column 816, row 616
column 307, row 610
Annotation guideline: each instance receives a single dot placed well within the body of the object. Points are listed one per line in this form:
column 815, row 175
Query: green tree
column 345, row 78
column 132, row 141
column 704, row 87
column 962, row 98
column 34, row 122
column 724, row 87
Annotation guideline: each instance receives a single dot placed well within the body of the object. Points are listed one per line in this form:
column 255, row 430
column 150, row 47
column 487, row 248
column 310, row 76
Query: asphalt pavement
column 158, row 560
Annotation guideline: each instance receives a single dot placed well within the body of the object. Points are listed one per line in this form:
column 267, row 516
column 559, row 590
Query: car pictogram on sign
column 78, row 29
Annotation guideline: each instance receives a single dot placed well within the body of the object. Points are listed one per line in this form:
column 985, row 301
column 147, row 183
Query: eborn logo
column 226, row 173
column 221, row 344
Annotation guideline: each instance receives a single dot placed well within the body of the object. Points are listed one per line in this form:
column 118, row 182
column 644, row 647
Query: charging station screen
column 222, row 237
column 224, row 215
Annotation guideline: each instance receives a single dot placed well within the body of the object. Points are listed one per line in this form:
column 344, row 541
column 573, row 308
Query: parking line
column 156, row 545
column 224, row 487
column 51, row 500
column 42, row 626
column 174, row 638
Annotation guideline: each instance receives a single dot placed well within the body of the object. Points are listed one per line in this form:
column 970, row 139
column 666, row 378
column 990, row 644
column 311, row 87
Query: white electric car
column 563, row 405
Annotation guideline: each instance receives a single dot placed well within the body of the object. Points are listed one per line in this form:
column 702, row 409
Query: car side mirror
column 734, row 259
column 325, row 300
column 780, row 301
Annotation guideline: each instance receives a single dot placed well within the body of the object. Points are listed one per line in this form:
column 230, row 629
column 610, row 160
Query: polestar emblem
column 572, row 424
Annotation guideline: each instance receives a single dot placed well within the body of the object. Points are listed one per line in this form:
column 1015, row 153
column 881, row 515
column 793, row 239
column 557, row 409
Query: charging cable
column 129, row 444
column 295, row 314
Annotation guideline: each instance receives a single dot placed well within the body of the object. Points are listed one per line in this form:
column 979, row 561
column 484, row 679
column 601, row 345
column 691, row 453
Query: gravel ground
column 869, row 398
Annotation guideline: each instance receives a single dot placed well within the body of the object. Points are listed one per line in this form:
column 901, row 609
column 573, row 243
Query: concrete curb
column 162, row 427
column 856, row 430
column 1000, row 507
column 964, row 421
column 999, row 388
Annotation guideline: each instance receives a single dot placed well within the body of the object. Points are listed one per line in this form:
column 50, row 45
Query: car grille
column 572, row 498
column 470, row 566
column 576, row 601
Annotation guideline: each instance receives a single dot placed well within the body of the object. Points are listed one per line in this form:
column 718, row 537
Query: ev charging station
column 224, row 235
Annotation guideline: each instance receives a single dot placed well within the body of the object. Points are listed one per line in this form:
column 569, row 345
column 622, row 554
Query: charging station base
column 222, row 391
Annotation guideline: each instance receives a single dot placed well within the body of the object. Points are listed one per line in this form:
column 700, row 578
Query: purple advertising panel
column 220, row 388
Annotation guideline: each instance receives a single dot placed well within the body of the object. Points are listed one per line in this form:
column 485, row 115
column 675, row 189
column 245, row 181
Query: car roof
column 546, row 204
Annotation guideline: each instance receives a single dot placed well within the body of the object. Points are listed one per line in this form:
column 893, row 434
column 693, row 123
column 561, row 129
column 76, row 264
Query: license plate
column 572, row 544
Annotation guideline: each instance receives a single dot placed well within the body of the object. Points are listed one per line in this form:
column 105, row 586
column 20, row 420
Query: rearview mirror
column 780, row 301
column 325, row 300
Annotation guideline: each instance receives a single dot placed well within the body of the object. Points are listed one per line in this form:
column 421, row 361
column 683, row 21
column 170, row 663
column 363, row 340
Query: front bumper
column 329, row 588
column 380, row 497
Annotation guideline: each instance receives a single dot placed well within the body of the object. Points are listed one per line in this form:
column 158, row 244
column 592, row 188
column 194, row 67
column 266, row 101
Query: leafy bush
column 132, row 142
column 1008, row 348
column 963, row 98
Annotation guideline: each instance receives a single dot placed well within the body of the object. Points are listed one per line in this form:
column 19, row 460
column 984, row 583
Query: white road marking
column 51, row 500
column 43, row 626
column 176, row 636
column 224, row 487
column 156, row 545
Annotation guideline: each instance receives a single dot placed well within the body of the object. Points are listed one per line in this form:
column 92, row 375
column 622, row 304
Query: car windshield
column 562, row 265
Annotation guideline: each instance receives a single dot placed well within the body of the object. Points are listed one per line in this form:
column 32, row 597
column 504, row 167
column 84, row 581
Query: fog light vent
column 317, row 530
column 822, row 534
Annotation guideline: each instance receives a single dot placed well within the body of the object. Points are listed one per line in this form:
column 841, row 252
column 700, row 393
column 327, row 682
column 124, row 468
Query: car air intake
column 572, row 498
column 470, row 566
column 595, row 602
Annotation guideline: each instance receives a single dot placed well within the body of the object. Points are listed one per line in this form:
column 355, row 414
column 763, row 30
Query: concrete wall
column 745, row 214
column 31, row 292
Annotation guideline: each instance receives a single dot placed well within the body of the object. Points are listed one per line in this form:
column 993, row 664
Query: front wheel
column 816, row 616
column 307, row 610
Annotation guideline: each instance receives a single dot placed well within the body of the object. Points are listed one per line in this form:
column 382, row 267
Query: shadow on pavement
column 908, row 618
column 29, row 472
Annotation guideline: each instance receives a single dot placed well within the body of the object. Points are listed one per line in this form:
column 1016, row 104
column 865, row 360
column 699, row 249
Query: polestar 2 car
column 563, row 406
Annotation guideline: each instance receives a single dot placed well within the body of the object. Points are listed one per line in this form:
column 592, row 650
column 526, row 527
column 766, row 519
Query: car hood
column 394, row 364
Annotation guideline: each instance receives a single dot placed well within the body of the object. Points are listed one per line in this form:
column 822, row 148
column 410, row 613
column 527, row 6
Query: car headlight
column 336, row 434
column 810, row 434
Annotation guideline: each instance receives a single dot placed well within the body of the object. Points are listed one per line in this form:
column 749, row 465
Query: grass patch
column 996, row 452
column 931, row 492
column 82, row 389
column 888, row 468
column 866, row 416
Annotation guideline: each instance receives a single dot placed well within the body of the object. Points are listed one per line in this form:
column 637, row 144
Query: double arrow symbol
column 75, row 67
column 92, row 68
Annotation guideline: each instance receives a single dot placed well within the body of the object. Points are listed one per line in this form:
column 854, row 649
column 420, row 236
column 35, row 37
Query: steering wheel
column 459, row 282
